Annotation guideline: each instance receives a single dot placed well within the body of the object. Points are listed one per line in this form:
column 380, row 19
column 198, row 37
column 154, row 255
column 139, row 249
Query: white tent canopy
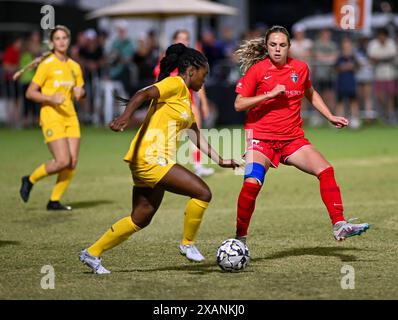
column 162, row 9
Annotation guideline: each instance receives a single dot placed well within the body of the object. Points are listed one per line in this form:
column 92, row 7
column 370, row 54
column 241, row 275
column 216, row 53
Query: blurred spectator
column 383, row 51
column 365, row 79
column 146, row 57
column 346, row 86
column 301, row 46
column 91, row 56
column 211, row 48
column 31, row 50
column 80, row 43
column 228, row 42
column 325, row 55
column 122, row 51
column 301, row 49
column 11, row 59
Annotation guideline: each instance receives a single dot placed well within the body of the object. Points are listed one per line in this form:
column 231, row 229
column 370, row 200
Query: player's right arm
column 34, row 90
column 246, row 103
column 246, row 90
column 33, row 93
column 145, row 94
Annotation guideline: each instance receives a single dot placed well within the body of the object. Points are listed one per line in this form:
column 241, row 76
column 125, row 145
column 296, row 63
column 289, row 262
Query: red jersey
column 278, row 118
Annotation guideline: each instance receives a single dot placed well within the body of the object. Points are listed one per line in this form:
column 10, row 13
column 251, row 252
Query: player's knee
column 73, row 164
column 255, row 173
column 142, row 218
column 205, row 194
column 327, row 170
column 62, row 163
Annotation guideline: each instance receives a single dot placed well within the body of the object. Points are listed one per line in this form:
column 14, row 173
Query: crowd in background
column 357, row 75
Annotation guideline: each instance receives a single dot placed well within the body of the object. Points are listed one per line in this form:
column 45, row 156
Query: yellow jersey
column 156, row 141
column 54, row 75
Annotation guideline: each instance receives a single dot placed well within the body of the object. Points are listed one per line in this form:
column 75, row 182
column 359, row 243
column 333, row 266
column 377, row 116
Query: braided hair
column 177, row 56
column 181, row 57
column 255, row 50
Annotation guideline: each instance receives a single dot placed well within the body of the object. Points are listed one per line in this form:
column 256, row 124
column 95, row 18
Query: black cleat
column 26, row 187
column 57, row 206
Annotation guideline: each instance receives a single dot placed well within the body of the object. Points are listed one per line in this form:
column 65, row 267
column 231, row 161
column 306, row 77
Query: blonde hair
column 251, row 52
column 255, row 50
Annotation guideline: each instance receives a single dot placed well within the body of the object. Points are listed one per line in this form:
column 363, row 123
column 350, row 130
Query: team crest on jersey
column 294, row 76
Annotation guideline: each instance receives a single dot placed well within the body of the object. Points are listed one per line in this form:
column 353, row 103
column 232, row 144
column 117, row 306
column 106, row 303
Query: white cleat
column 191, row 252
column 94, row 263
column 343, row 230
column 203, row 171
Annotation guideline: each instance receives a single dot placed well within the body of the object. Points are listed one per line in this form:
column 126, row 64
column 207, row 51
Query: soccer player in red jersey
column 271, row 91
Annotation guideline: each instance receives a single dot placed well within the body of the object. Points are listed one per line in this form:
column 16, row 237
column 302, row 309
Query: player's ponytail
column 251, row 52
column 177, row 56
column 170, row 61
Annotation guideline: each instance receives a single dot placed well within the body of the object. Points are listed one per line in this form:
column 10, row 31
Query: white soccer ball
column 233, row 255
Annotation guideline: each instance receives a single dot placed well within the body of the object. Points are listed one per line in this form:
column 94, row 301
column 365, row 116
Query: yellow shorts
column 148, row 175
column 55, row 129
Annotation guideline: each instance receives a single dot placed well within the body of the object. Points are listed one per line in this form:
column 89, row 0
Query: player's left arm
column 316, row 100
column 204, row 146
column 78, row 90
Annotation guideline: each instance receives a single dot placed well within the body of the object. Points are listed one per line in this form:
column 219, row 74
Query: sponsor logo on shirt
column 58, row 71
column 58, row 84
column 266, row 78
column 290, row 93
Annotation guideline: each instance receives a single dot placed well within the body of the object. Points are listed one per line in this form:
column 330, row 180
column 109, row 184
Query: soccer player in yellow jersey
column 56, row 82
column 151, row 156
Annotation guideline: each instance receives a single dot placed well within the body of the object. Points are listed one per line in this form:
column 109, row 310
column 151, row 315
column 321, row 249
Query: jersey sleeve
column 168, row 87
column 247, row 85
column 41, row 74
column 307, row 78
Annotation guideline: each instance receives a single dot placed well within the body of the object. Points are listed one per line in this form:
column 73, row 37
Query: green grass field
column 294, row 255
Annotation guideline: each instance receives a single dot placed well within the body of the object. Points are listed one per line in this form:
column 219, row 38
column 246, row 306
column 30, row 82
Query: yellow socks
column 38, row 174
column 118, row 233
column 63, row 181
column 193, row 217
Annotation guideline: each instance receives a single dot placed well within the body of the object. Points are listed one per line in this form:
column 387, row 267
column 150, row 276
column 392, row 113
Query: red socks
column 196, row 156
column 246, row 205
column 330, row 193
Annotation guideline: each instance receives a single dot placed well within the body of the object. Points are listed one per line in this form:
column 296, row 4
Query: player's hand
column 78, row 92
column 57, row 99
column 338, row 122
column 119, row 124
column 229, row 163
column 278, row 89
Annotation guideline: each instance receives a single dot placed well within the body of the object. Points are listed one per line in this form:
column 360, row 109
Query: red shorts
column 277, row 150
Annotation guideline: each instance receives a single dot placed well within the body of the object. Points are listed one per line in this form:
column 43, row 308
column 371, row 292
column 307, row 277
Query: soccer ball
column 233, row 255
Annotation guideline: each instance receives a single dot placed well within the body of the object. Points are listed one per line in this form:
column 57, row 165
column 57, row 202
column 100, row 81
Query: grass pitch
column 294, row 255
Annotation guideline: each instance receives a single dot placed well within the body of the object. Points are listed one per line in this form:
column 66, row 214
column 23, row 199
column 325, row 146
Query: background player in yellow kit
column 57, row 81
column 152, row 155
